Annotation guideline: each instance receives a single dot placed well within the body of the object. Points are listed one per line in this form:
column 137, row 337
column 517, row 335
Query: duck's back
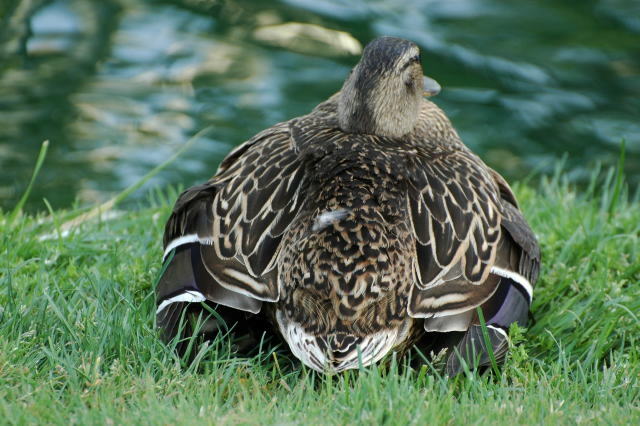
column 346, row 261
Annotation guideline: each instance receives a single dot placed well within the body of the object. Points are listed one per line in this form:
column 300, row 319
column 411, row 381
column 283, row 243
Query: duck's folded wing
column 222, row 238
column 455, row 212
column 474, row 249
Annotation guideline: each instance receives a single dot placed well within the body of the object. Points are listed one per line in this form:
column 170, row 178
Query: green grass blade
column 487, row 342
column 619, row 180
column 40, row 160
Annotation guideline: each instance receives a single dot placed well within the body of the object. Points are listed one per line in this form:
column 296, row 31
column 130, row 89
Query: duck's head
column 383, row 93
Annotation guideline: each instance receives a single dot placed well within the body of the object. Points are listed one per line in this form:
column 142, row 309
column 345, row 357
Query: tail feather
column 169, row 319
column 473, row 350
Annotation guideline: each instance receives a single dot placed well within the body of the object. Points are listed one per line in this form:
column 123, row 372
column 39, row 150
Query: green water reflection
column 117, row 86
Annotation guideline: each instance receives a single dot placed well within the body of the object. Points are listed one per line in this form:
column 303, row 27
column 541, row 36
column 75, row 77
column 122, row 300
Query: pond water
column 117, row 86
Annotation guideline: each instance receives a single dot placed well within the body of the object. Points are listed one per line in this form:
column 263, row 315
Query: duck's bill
column 431, row 87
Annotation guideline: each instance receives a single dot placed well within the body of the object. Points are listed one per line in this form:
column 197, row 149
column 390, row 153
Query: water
column 117, row 86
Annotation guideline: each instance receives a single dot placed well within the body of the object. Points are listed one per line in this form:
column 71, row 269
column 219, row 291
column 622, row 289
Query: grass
column 77, row 342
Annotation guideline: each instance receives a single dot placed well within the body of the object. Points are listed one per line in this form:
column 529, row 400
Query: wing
column 507, row 266
column 455, row 214
column 517, row 267
column 222, row 238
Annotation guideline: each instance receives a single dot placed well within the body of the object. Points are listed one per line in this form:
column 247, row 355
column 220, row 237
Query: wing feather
column 458, row 205
column 471, row 239
column 237, row 220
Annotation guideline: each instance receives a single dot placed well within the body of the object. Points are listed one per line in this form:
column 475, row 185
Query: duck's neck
column 377, row 109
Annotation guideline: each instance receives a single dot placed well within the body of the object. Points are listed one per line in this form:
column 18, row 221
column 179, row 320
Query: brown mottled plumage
column 357, row 229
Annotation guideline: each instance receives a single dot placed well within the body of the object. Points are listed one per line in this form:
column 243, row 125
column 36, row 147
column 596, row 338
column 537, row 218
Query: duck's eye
column 411, row 61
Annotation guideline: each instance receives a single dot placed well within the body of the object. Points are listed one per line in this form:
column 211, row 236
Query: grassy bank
column 77, row 339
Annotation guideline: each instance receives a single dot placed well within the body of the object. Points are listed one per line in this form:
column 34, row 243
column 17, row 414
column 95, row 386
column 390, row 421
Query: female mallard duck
column 357, row 229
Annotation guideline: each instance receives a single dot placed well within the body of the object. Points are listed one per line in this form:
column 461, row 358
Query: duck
column 357, row 230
